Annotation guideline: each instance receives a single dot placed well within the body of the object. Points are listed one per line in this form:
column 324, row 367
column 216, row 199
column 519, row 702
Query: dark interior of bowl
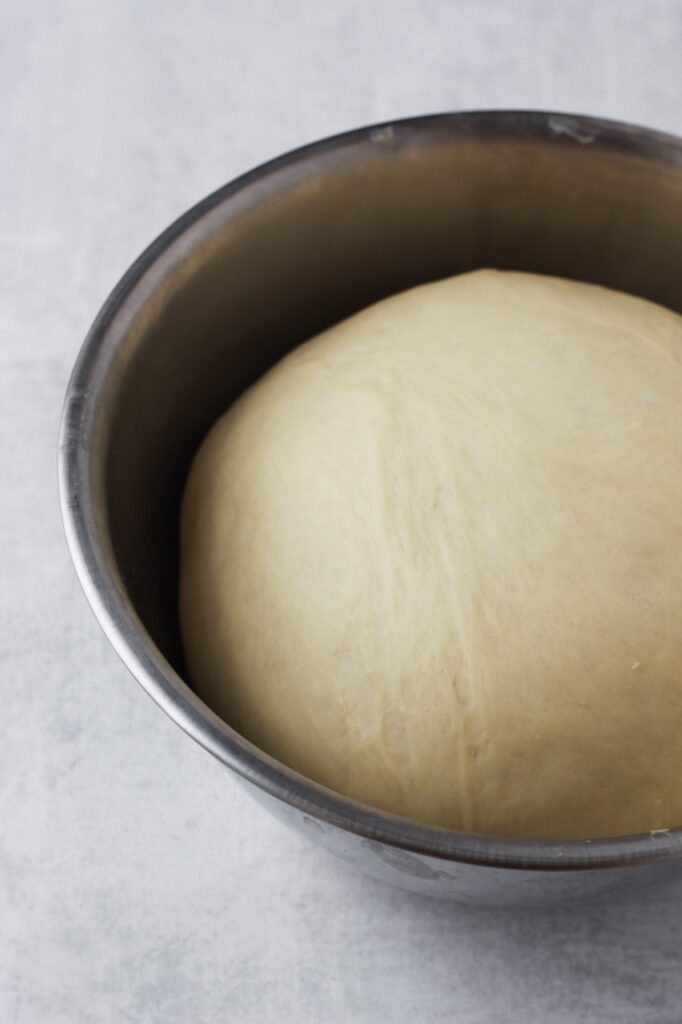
column 308, row 242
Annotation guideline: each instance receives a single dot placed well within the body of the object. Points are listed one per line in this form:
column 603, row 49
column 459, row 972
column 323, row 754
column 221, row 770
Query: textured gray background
column 137, row 882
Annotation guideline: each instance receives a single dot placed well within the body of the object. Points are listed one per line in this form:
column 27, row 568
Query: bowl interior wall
column 323, row 240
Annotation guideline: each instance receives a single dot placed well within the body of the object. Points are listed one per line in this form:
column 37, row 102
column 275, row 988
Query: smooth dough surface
column 433, row 559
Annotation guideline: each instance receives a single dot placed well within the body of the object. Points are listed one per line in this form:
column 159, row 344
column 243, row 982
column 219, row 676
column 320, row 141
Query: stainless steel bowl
column 260, row 266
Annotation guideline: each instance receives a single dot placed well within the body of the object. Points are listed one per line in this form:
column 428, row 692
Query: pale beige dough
column 433, row 559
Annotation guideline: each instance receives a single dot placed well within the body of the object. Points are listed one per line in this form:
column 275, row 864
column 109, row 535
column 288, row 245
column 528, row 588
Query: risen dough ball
column 433, row 559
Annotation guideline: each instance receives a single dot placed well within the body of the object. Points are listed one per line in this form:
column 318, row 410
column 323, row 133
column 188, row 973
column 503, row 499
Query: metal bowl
column 262, row 265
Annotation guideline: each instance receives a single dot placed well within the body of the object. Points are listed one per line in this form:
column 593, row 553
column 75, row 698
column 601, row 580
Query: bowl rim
column 90, row 546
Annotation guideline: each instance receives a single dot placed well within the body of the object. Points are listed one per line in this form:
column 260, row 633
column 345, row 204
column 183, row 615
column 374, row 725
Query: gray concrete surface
column 137, row 882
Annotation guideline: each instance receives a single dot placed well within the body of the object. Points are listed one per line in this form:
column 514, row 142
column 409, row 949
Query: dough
column 433, row 559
